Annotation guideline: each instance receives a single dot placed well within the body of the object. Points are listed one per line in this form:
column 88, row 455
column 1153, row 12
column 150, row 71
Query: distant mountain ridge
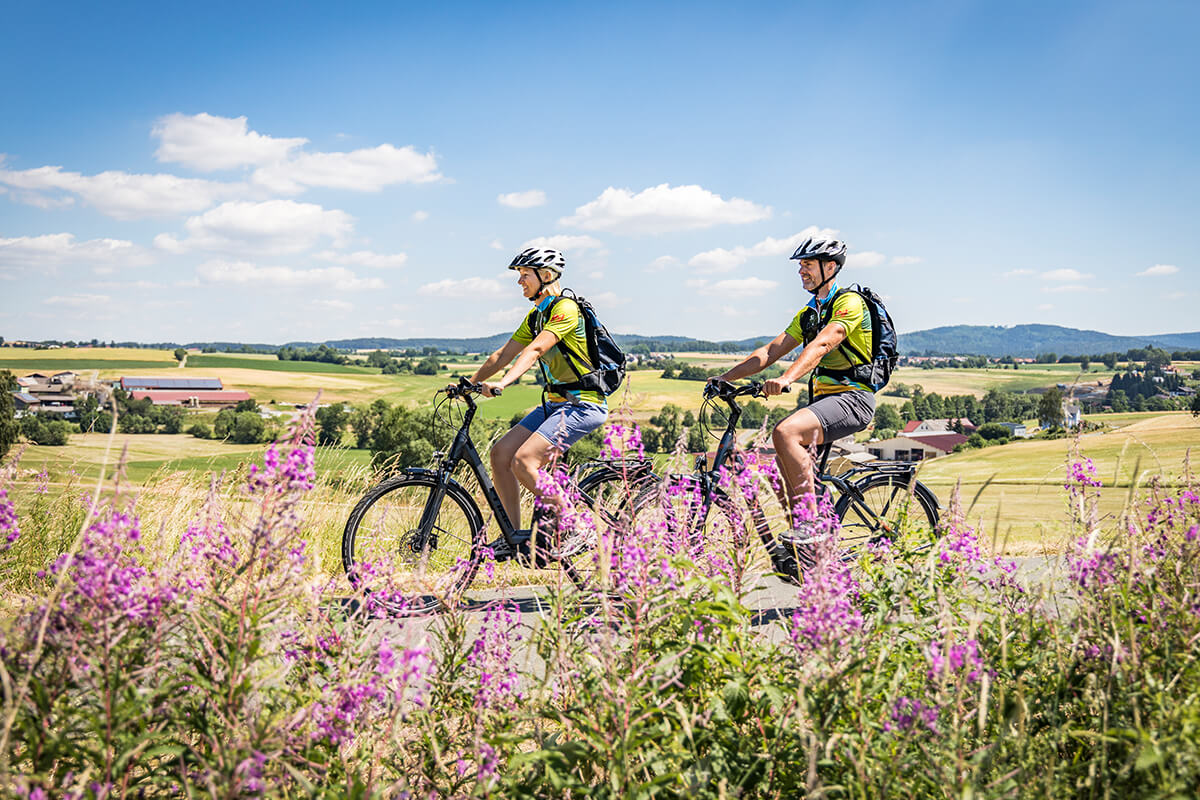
column 967, row 340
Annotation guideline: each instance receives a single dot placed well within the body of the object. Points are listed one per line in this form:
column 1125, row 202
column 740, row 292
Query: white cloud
column 78, row 300
column 420, row 216
column 54, row 249
column 120, row 194
column 1065, row 275
column 1045, row 307
column 1074, row 288
column 865, row 259
column 528, row 199
column 245, row 273
column 661, row 263
column 124, row 285
column 273, row 226
column 607, row 299
column 496, row 244
column 364, row 258
column 661, row 209
column 738, row 287
column 1158, row 271
column 904, row 261
column 723, row 260
column 466, row 287
column 1017, row 273
column 565, row 243
column 207, row 143
column 366, row 170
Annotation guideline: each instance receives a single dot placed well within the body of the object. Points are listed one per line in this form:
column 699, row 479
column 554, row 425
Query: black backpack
column 607, row 359
column 874, row 369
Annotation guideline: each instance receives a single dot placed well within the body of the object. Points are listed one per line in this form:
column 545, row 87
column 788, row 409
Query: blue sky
column 275, row 172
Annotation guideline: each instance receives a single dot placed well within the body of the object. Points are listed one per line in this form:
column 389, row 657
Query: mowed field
column 1020, row 482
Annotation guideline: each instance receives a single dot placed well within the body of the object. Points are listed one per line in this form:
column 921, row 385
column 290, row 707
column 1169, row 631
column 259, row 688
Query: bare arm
column 828, row 339
column 532, row 352
column 761, row 358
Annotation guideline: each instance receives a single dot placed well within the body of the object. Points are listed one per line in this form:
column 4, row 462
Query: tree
column 248, row 428
column 992, row 432
column 427, row 366
column 1084, row 363
column 697, row 442
column 180, row 353
column 249, row 404
column 8, row 425
column 1195, row 407
column 886, row 416
column 331, row 422
column 1049, row 409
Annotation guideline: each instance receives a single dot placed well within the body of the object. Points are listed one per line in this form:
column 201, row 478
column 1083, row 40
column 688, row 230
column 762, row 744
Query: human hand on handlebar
column 490, row 389
column 775, row 386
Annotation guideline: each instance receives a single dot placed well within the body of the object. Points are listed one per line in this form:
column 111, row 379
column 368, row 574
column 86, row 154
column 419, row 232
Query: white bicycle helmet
column 540, row 258
column 823, row 249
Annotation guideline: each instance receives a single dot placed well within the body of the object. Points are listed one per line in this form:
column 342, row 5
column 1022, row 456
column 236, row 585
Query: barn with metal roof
column 178, row 384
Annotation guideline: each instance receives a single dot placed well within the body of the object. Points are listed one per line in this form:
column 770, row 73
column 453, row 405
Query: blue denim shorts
column 564, row 424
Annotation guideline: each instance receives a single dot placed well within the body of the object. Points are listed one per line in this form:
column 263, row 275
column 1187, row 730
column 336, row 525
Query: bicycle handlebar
column 727, row 391
column 465, row 387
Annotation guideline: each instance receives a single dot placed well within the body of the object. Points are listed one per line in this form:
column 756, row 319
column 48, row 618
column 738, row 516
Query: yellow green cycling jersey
column 568, row 325
column 849, row 310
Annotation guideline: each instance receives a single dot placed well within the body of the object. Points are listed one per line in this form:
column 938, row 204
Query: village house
column 937, row 425
column 916, row 446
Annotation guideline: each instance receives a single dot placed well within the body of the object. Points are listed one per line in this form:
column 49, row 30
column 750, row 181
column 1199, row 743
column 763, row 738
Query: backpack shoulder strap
column 846, row 347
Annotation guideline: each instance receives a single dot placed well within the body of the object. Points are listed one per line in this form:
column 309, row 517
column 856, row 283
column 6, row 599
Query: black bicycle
column 425, row 525
column 874, row 501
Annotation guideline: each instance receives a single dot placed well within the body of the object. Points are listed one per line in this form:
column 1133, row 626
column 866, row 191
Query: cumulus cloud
column 364, row 258
column 1017, row 273
column 204, row 142
column 78, row 300
column 565, row 243
column 334, row 305
column 1158, row 271
column 420, row 216
column 867, row 258
column 661, row 263
column 904, row 261
column 243, row 273
column 365, row 170
column 527, row 199
column 662, row 209
column 465, row 287
column 723, row 260
column 739, row 287
column 55, row 249
column 496, row 244
column 120, row 195
column 1065, row 275
column 273, row 226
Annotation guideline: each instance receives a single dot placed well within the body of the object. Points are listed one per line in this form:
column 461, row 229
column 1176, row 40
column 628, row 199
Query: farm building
column 180, row 384
column 192, row 398
column 916, row 446
column 937, row 425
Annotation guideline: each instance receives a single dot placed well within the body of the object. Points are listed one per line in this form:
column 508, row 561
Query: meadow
column 1012, row 487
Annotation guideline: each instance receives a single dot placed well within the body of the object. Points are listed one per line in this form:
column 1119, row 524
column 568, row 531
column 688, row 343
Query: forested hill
column 1033, row 340
column 979, row 340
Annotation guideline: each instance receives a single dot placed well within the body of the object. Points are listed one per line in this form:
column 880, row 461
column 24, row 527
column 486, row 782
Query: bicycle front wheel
column 884, row 506
column 385, row 543
column 711, row 534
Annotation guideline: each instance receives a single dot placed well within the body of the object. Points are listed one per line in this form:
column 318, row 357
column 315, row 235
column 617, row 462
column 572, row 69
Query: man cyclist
column 551, row 333
column 834, row 327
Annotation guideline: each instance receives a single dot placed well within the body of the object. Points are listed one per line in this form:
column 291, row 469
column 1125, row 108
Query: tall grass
column 223, row 656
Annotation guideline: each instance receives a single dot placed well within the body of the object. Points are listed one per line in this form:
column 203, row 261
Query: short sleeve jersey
column 850, row 311
column 567, row 324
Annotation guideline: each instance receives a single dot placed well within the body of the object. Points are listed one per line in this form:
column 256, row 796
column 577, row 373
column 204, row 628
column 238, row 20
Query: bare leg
column 532, row 455
column 792, row 438
column 502, row 456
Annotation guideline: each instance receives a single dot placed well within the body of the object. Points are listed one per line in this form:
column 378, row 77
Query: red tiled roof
column 945, row 442
column 183, row 395
column 910, row 426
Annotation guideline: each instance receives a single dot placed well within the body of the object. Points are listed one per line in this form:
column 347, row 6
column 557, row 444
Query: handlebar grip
column 497, row 392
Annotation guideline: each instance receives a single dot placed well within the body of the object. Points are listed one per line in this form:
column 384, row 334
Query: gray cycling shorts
column 844, row 413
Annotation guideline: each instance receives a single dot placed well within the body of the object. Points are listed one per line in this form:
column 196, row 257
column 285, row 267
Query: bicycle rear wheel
column 610, row 495
column 384, row 544
column 886, row 506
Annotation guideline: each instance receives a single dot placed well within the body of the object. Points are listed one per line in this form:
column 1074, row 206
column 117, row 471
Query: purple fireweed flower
column 908, row 713
column 43, row 485
column 492, row 656
column 955, row 659
column 249, row 774
column 1082, row 473
column 826, row 618
column 621, row 441
column 1090, row 567
column 958, row 545
column 8, row 521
